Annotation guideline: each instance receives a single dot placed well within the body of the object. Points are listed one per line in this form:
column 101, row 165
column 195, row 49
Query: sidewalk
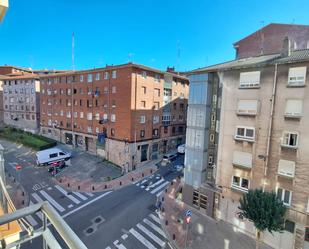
column 88, row 185
column 203, row 232
column 17, row 193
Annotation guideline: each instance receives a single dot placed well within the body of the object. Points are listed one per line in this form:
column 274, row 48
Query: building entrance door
column 144, row 150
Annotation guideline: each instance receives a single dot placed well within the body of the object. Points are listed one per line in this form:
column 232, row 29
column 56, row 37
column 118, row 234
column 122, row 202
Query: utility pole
column 2, row 175
column 72, row 99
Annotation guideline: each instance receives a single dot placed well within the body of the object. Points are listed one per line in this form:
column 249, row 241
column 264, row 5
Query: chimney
column 170, row 69
column 286, row 48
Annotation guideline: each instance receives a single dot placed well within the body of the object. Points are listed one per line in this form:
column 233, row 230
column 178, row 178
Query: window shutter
column 247, row 107
column 297, row 75
column 293, row 108
column 242, row 159
column 286, row 168
column 250, row 79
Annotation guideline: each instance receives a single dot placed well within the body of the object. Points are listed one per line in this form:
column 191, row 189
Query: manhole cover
column 98, row 220
column 90, row 230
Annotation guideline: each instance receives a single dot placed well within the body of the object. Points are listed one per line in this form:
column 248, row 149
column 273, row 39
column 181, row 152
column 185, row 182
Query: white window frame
column 81, row 115
column 89, row 116
column 283, row 194
column 242, row 189
column 142, row 119
column 243, row 84
column 144, row 74
column 113, row 118
column 89, row 78
column 81, row 78
column 97, row 76
column 289, row 133
column 245, row 138
column 106, row 75
column 299, row 80
column 114, row 74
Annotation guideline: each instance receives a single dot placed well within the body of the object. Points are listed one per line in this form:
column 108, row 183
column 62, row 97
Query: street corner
column 17, row 192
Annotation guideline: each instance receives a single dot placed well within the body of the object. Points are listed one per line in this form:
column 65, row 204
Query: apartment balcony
column 168, row 85
column 4, row 4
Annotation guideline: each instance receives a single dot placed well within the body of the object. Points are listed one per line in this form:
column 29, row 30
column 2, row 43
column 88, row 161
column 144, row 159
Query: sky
column 157, row 33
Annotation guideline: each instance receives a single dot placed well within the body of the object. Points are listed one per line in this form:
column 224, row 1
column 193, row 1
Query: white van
column 46, row 157
column 168, row 158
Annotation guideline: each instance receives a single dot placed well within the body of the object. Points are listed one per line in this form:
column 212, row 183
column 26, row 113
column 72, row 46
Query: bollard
column 68, row 184
column 166, row 222
column 78, row 187
column 162, row 209
column 120, row 183
column 151, row 171
column 142, row 174
column 132, row 179
column 9, row 174
column 172, row 183
column 23, row 202
column 60, row 180
column 105, row 186
column 166, row 190
column 92, row 187
column 23, row 193
column 162, row 198
column 174, row 236
column 13, row 179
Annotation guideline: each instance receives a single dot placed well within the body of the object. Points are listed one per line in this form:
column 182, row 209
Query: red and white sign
column 18, row 167
column 188, row 219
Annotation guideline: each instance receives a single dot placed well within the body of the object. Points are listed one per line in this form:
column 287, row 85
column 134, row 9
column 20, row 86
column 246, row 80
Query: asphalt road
column 124, row 219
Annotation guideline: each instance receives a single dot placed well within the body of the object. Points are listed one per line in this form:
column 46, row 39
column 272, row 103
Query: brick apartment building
column 128, row 113
column 262, row 139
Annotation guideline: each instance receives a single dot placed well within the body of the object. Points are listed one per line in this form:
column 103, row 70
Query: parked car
column 181, row 149
column 46, row 157
column 179, row 167
column 168, row 158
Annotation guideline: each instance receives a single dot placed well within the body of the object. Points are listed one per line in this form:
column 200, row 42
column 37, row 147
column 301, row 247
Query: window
column 155, row 132
column 97, row 130
column 289, row 226
column 81, row 78
column 297, row 76
column 210, row 160
column 212, row 137
column 69, row 114
column 114, row 74
column 285, row 196
column 97, row 76
column 142, row 119
column 89, row 129
column 290, row 139
column 286, row 168
column 143, row 104
column 97, row 116
column 113, row 132
column 247, row 107
column 249, row 79
column 143, row 89
column 156, row 119
column 157, row 77
column 240, row 183
column 53, row 155
column 113, row 117
column 105, row 89
column 242, row 159
column 142, row 133
column 114, row 89
column 113, row 103
column 293, row 108
column 106, row 75
column 144, row 74
column 75, row 114
column 89, row 116
column 245, row 133
column 156, row 105
column 104, row 116
column 80, row 102
column 89, row 77
column 157, row 92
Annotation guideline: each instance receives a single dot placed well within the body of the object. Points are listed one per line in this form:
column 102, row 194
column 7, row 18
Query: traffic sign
column 189, row 213
column 18, row 167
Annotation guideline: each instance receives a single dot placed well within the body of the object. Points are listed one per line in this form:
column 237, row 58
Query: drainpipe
column 266, row 158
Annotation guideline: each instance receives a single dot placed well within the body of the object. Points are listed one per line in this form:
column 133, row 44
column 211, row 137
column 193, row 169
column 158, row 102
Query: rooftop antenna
column 73, row 59
column 178, row 54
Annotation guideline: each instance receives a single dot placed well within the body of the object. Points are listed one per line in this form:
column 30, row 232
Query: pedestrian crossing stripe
column 142, row 239
column 151, row 235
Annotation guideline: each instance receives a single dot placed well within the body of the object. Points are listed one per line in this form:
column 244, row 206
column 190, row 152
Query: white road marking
column 49, row 188
column 155, row 218
column 151, row 235
column 52, row 201
column 36, row 197
column 70, row 206
column 142, row 186
column 89, row 194
column 142, row 182
column 38, row 214
column 154, row 227
column 120, row 246
column 137, row 184
column 158, row 194
column 86, row 204
column 124, row 236
column 158, row 188
column 80, row 196
column 108, row 247
column 155, row 184
column 63, row 191
column 31, row 220
column 141, row 238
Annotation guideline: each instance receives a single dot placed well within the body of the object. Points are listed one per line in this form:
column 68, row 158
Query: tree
column 265, row 210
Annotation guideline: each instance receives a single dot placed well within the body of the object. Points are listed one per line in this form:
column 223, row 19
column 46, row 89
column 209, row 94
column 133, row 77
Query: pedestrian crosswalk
column 154, row 184
column 62, row 200
column 146, row 234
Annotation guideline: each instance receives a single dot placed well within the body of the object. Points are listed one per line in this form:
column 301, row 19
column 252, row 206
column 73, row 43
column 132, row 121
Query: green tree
column 265, row 210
